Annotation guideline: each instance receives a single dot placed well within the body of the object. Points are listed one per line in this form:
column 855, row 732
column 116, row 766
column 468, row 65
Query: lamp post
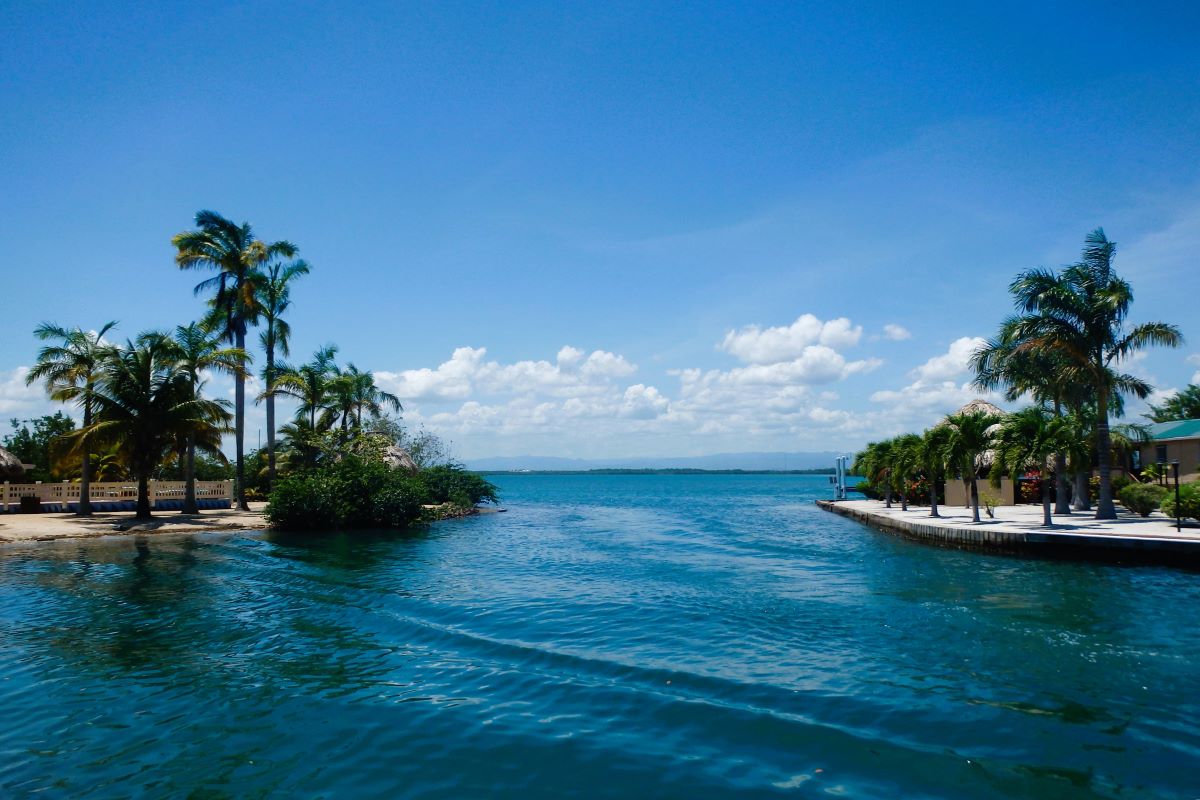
column 1178, row 510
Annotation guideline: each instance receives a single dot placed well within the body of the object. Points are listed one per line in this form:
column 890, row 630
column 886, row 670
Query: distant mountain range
column 746, row 461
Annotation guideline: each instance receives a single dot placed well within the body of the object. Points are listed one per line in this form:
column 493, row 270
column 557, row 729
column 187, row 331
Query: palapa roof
column 11, row 468
column 397, row 457
column 980, row 405
column 988, row 457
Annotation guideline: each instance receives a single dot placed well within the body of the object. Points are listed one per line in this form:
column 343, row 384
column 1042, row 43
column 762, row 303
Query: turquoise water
column 642, row 636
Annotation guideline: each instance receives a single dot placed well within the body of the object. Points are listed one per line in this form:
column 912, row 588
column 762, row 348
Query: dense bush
column 452, row 484
column 1189, row 501
column 361, row 493
column 1141, row 498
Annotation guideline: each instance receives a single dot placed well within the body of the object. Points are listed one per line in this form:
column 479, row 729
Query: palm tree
column 1183, row 405
column 236, row 255
column 365, row 395
column 144, row 405
column 968, row 437
column 1030, row 438
column 309, row 383
column 1080, row 314
column 906, row 459
column 874, row 462
column 69, row 370
column 197, row 350
column 274, row 299
column 933, row 461
column 1047, row 377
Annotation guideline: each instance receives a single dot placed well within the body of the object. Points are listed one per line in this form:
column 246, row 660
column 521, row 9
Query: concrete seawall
column 1129, row 538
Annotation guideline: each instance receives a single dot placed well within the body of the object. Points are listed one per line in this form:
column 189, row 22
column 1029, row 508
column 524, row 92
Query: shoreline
column 1019, row 530
column 59, row 526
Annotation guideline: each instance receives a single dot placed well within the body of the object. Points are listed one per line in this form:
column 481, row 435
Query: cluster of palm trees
column 143, row 400
column 1064, row 351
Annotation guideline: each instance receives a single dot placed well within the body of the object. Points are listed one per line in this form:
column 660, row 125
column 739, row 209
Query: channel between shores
column 1079, row 535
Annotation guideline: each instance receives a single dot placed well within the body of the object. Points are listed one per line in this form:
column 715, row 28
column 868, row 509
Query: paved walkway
column 1028, row 519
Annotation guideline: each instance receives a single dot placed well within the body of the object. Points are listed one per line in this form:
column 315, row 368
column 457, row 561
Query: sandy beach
column 47, row 527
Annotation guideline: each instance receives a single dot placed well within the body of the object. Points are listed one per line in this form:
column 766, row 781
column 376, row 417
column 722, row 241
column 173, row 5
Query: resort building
column 1178, row 440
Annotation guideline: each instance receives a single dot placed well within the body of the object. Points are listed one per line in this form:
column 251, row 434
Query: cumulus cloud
column 1195, row 359
column 16, row 398
column 756, row 345
column 897, row 333
column 939, row 384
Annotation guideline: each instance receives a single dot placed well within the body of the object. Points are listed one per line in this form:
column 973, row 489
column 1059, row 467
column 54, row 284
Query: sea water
column 608, row 636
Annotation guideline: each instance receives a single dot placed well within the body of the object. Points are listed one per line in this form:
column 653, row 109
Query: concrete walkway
column 1020, row 528
column 44, row 527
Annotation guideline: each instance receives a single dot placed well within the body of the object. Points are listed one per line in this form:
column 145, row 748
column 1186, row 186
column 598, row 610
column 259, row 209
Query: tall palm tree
column 275, row 299
column 69, row 369
column 230, row 249
column 933, row 461
column 1045, row 376
column 1080, row 314
column 969, row 436
column 1030, row 438
column 144, row 405
column 874, row 462
column 365, row 395
column 310, row 384
column 198, row 350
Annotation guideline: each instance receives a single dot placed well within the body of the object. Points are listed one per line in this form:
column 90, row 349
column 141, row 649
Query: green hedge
column 1189, row 501
column 1141, row 498
column 354, row 493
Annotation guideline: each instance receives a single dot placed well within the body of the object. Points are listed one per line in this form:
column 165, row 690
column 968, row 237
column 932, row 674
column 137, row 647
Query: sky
column 614, row 229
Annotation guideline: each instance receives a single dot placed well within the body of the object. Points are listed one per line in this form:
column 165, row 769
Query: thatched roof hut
column 983, row 461
column 11, row 468
column 397, row 457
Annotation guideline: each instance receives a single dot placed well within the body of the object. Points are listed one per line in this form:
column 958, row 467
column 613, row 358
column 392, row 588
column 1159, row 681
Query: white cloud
column 18, row 399
column 950, row 364
column 756, row 345
column 897, row 333
column 1195, row 359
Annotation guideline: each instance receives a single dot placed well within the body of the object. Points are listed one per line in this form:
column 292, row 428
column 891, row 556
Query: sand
column 47, row 527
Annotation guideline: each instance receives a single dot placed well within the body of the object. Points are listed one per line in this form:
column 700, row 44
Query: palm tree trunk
column 270, row 410
column 887, row 497
column 143, row 501
column 189, row 478
column 84, row 509
column 1082, row 501
column 1046, row 521
column 903, row 500
column 1104, row 503
column 933, row 486
column 239, row 423
column 1062, row 499
column 974, row 499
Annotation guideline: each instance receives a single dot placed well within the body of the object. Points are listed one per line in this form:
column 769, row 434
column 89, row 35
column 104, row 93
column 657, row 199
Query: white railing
column 111, row 491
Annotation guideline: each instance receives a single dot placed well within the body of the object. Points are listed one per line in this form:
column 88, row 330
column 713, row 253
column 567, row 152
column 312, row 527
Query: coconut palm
column 310, row 384
column 905, row 461
column 198, row 350
column 1026, row 439
column 933, row 461
column 1182, row 405
column 362, row 394
column 1080, row 315
column 144, row 405
column 236, row 255
column 968, row 437
column 274, row 299
column 869, row 463
column 69, row 368
column 1047, row 377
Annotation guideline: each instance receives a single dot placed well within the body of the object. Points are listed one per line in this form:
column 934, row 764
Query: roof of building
column 1175, row 429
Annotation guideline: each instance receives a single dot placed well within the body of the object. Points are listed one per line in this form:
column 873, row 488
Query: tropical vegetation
column 1066, row 352
column 344, row 460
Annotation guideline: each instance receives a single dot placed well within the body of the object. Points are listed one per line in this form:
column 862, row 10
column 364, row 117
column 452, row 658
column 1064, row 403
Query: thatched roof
column 397, row 457
column 10, row 466
column 984, row 460
column 979, row 405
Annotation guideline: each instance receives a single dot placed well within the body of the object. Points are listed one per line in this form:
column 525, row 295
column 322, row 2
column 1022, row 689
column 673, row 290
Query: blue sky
column 597, row 231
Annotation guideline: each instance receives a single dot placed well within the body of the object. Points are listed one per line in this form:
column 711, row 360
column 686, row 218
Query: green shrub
column 1119, row 481
column 453, row 484
column 352, row 493
column 1189, row 501
column 868, row 490
column 1141, row 498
